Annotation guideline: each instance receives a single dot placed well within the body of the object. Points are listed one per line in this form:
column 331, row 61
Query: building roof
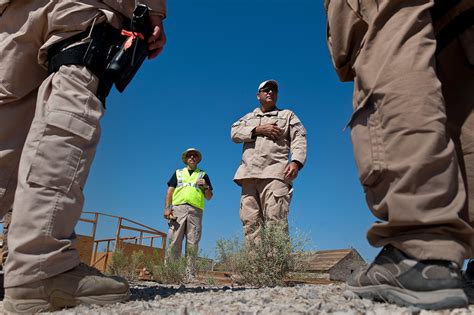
column 324, row 260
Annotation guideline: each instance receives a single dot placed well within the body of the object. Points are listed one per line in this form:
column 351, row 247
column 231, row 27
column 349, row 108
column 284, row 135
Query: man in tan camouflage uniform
column 49, row 130
column 413, row 135
column 274, row 150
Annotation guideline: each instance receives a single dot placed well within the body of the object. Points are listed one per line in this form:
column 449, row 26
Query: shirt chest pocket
column 252, row 122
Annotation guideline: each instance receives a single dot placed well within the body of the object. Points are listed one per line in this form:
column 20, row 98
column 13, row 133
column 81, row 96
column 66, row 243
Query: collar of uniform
column 258, row 112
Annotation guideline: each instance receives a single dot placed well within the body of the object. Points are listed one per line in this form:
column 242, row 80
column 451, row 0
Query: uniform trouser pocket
column 369, row 152
column 59, row 152
column 277, row 202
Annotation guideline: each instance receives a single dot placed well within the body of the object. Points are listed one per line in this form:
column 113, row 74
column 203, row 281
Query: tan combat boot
column 81, row 285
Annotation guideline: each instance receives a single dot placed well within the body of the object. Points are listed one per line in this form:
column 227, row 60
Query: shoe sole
column 59, row 300
column 432, row 300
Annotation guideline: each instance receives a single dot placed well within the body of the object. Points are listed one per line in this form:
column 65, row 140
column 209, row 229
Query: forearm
column 169, row 197
column 241, row 134
column 298, row 152
column 298, row 147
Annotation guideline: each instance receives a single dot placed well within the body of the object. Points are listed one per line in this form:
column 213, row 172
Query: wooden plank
column 149, row 252
column 225, row 278
column 85, row 245
column 101, row 259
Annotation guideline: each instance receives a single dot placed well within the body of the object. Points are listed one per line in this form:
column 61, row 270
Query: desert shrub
column 176, row 271
column 169, row 272
column 226, row 250
column 266, row 261
column 126, row 266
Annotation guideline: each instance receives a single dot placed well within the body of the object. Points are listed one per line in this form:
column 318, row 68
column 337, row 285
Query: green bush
column 169, row 272
column 176, row 271
column 265, row 262
column 126, row 266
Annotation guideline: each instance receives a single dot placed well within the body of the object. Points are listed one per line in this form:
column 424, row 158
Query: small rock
column 349, row 295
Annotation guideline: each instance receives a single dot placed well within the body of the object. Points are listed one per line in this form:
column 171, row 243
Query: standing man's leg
column 251, row 213
column 193, row 236
column 455, row 68
column 53, row 169
column 42, row 270
column 275, row 196
column 176, row 232
column 407, row 163
column 18, row 56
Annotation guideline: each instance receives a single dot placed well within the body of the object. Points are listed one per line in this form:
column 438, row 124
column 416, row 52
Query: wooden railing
column 146, row 236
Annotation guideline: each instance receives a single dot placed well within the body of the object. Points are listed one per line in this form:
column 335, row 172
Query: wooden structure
column 333, row 265
column 320, row 267
column 98, row 252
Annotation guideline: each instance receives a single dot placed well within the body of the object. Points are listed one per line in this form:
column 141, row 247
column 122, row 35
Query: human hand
column 157, row 40
column 202, row 184
column 271, row 131
column 291, row 171
column 167, row 214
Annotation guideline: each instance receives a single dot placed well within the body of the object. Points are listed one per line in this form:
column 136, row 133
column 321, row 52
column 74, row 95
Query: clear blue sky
column 218, row 52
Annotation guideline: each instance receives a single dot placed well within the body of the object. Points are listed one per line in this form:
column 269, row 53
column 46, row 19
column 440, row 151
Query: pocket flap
column 280, row 192
column 69, row 122
column 357, row 110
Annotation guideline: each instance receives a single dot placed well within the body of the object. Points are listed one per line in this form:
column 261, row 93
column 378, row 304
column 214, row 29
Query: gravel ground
column 151, row 298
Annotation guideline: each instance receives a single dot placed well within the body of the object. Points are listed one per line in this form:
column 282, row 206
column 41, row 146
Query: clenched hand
column 291, row 171
column 157, row 40
column 271, row 131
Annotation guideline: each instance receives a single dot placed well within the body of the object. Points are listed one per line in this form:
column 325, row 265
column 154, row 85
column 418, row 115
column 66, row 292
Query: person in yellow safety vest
column 184, row 204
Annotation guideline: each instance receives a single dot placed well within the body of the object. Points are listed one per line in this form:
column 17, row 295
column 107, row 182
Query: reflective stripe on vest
column 187, row 191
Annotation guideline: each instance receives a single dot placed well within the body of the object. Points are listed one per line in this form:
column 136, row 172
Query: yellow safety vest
column 186, row 190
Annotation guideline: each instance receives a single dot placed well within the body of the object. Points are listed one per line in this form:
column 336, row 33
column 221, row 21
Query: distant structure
column 130, row 236
column 334, row 265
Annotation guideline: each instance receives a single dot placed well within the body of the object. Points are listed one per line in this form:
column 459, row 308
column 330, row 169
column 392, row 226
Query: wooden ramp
column 225, row 278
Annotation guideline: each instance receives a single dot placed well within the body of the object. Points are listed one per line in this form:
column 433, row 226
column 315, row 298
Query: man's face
column 267, row 96
column 192, row 159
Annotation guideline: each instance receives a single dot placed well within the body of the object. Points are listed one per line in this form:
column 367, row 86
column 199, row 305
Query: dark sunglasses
column 195, row 155
column 268, row 89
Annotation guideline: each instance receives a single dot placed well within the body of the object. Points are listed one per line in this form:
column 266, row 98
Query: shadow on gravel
column 146, row 292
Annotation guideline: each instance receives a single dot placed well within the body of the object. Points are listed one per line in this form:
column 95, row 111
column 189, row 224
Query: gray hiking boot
column 396, row 278
column 80, row 285
column 468, row 281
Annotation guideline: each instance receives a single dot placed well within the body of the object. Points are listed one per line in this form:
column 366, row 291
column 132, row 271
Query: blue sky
column 206, row 78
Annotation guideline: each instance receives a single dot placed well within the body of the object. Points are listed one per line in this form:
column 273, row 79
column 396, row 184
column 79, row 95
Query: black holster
column 95, row 54
column 106, row 52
